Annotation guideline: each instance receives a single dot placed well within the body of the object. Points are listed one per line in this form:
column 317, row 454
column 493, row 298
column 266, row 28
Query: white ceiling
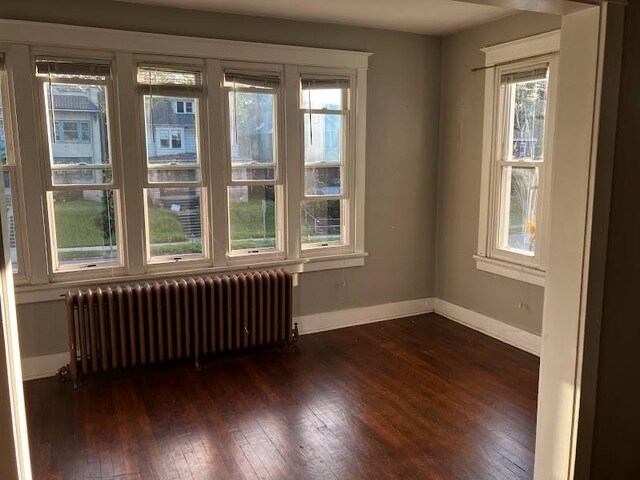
column 433, row 17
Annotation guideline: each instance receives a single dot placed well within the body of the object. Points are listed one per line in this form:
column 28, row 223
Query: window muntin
column 175, row 196
column 254, row 186
column 83, row 195
column 520, row 159
column 324, row 108
column 8, row 175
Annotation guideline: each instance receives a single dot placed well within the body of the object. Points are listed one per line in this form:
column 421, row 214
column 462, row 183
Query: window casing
column 82, row 197
column 519, row 122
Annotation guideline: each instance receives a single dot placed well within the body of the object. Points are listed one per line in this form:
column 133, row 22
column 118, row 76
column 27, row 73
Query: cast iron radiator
column 148, row 323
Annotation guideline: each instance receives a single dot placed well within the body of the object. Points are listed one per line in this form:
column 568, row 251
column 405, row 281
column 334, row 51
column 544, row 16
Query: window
column 170, row 138
column 72, row 132
column 183, row 106
column 8, row 172
column 152, row 164
column 82, row 193
column 516, row 168
column 175, row 194
column 325, row 113
column 254, row 185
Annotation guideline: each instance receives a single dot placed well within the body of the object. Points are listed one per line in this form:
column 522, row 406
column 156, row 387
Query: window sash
column 274, row 89
column 501, row 161
column 199, row 93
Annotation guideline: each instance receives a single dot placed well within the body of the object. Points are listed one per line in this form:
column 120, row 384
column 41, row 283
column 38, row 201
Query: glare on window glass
column 251, row 122
column 528, row 120
column 521, row 194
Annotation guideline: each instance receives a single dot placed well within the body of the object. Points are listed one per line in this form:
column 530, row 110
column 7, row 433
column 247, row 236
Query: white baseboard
column 509, row 334
column 319, row 322
column 48, row 365
column 43, row 366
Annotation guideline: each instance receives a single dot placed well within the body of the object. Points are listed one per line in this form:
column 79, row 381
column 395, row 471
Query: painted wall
column 461, row 122
column 402, row 148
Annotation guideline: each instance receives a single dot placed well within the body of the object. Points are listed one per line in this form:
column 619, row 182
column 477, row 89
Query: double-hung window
column 324, row 108
column 254, row 178
column 175, row 194
column 515, row 200
column 82, row 181
column 7, row 162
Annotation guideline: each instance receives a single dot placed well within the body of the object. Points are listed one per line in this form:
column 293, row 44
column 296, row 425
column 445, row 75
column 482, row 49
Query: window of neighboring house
column 170, row 138
column 175, row 192
column 184, row 106
column 72, row 132
column 7, row 163
column 325, row 112
column 82, row 191
column 517, row 173
column 254, row 185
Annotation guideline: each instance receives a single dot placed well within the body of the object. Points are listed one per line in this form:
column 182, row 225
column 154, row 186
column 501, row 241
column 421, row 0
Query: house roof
column 73, row 102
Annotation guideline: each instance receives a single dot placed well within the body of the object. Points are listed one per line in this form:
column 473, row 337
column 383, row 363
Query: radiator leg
column 295, row 335
column 64, row 374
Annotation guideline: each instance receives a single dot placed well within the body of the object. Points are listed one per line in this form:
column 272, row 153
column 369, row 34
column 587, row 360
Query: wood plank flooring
column 419, row 397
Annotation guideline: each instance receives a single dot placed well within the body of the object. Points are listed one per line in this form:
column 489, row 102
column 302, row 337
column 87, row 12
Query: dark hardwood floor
column 419, row 397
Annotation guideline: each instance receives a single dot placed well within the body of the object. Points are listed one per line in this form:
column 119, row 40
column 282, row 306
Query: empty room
column 299, row 240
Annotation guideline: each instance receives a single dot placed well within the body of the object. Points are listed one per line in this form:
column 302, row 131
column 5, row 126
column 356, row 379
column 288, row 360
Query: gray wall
column 461, row 123
column 402, row 148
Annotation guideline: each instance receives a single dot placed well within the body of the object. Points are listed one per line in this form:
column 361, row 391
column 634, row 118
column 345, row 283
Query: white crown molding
column 71, row 36
column 522, row 48
column 48, row 365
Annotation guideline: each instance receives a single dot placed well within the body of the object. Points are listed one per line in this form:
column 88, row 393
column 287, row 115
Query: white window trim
column 526, row 52
column 22, row 40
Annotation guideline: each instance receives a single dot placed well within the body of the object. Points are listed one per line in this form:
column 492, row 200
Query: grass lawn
column 79, row 224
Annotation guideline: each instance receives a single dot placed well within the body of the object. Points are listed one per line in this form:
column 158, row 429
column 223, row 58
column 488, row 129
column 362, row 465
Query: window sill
column 522, row 273
column 57, row 289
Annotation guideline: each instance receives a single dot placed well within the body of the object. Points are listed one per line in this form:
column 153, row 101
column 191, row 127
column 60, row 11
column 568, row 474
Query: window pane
column 7, row 190
column 253, row 173
column 158, row 76
column 322, row 138
column 322, row 181
column 521, row 192
column 174, row 175
column 85, row 227
column 321, row 222
column 321, row 98
column 528, row 120
column 82, row 176
column 175, row 221
column 13, row 251
column 172, row 135
column 77, row 119
column 251, row 120
column 252, row 217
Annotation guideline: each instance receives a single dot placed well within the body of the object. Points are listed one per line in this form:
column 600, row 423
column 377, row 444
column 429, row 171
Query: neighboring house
column 171, row 131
